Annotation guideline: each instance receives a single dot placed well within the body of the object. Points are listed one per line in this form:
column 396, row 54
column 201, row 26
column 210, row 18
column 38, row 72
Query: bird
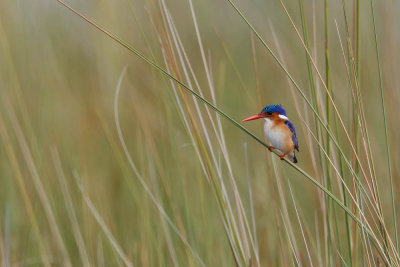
column 279, row 130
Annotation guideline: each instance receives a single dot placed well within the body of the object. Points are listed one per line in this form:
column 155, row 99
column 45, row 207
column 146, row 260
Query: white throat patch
column 283, row 117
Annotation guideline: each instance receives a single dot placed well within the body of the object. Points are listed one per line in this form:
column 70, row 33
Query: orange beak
column 254, row 117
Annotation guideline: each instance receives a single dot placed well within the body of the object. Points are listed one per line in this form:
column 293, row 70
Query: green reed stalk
column 347, row 63
column 385, row 126
column 363, row 128
column 327, row 144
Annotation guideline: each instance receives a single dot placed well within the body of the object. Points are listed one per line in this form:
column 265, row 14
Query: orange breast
column 288, row 144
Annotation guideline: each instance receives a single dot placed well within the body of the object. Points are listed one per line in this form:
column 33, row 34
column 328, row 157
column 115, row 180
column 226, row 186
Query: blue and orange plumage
column 279, row 131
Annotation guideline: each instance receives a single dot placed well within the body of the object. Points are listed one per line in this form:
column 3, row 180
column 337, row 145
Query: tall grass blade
column 101, row 222
column 70, row 208
column 44, row 198
column 394, row 214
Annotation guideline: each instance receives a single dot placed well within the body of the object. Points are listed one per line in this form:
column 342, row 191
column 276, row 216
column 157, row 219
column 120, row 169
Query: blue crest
column 274, row 109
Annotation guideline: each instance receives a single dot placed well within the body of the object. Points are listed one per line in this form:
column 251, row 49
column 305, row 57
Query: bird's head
column 269, row 112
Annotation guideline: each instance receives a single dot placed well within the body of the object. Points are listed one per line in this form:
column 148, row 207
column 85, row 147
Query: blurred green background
column 58, row 78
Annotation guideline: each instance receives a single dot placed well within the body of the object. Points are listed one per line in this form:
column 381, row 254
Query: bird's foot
column 282, row 156
column 270, row 148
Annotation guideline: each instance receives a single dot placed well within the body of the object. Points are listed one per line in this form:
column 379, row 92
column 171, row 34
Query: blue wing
column 291, row 127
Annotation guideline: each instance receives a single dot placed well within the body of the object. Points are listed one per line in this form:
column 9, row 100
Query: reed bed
column 122, row 142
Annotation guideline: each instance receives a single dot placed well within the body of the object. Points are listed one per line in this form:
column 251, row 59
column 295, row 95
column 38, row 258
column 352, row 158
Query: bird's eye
column 269, row 113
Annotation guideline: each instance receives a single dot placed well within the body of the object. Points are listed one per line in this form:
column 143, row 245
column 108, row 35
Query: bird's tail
column 292, row 157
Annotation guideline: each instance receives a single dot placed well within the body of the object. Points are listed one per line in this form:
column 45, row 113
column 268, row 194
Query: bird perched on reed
column 279, row 130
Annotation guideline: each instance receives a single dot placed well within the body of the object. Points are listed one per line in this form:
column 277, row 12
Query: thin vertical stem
column 385, row 126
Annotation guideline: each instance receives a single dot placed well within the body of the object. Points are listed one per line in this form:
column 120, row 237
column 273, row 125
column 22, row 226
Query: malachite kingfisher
column 279, row 130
